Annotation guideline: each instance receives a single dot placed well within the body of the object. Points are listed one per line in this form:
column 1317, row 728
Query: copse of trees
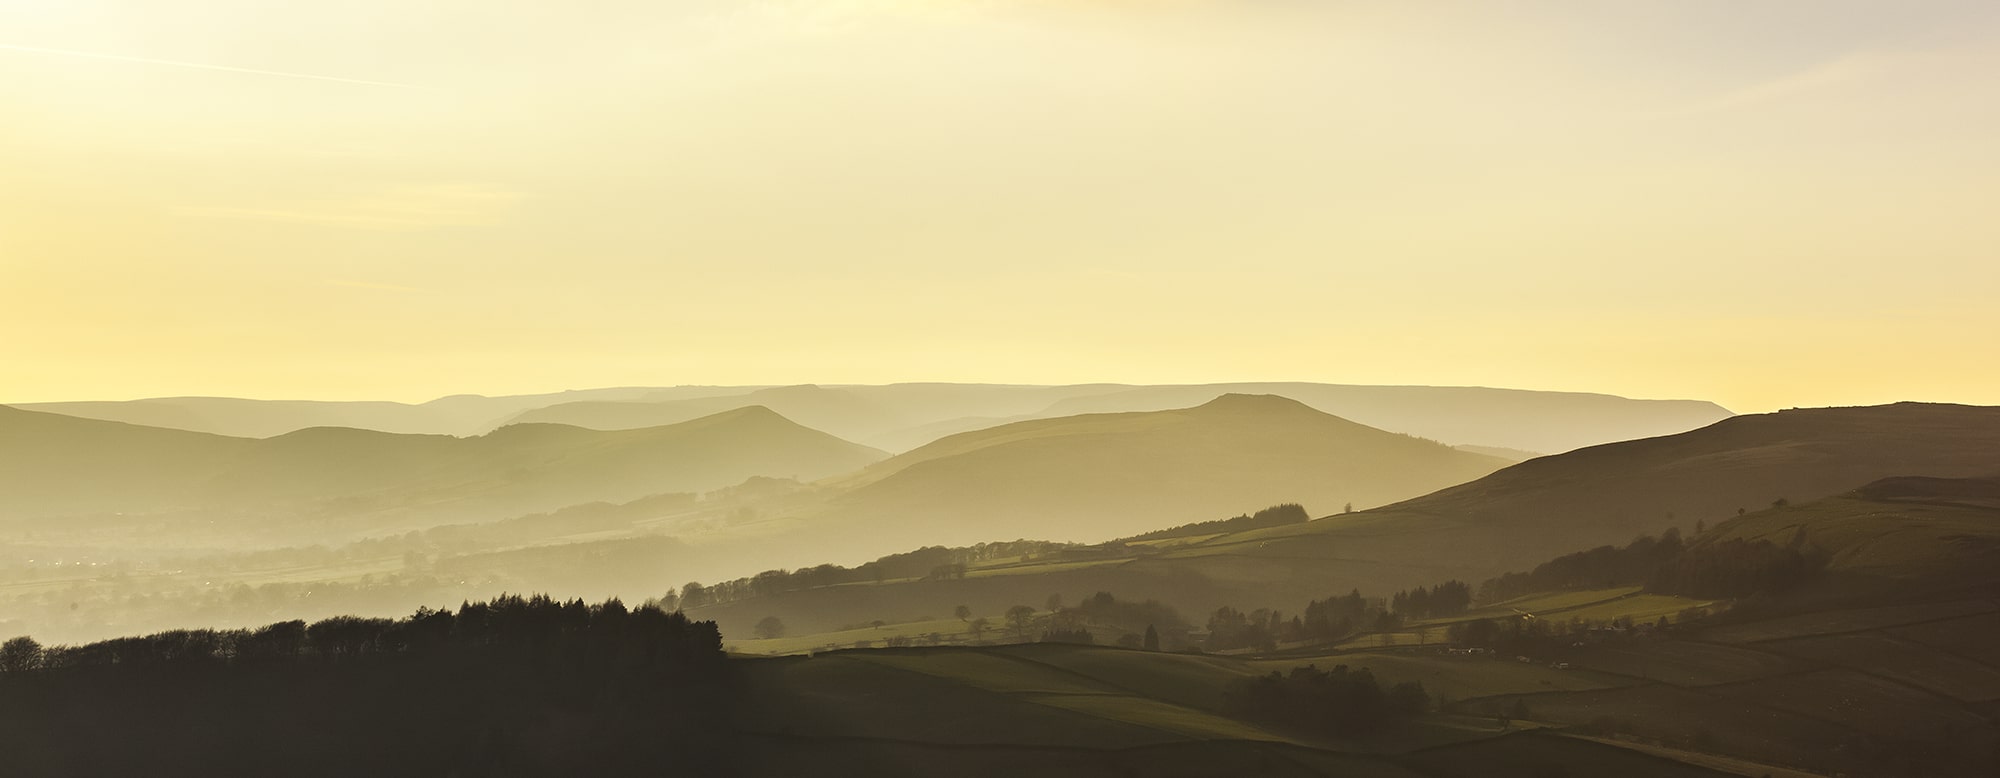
column 935, row 563
column 519, row 686
column 1338, row 701
column 1106, row 611
column 1446, row 599
column 1274, row 516
column 1712, row 569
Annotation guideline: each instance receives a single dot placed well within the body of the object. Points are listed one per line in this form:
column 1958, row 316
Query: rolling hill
column 52, row 466
column 1608, row 494
column 245, row 418
column 894, row 417
column 900, row 417
column 1510, row 520
column 836, row 411
column 1098, row 476
column 1894, row 539
column 1537, row 421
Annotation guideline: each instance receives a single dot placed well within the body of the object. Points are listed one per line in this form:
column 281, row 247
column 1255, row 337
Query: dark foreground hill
column 511, row 687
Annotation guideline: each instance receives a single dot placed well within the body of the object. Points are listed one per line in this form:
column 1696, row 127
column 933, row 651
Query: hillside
column 900, row 417
column 1460, row 415
column 246, row 418
column 1897, row 538
column 836, row 411
column 1510, row 520
column 53, row 465
column 1098, row 476
column 1608, row 494
column 894, row 417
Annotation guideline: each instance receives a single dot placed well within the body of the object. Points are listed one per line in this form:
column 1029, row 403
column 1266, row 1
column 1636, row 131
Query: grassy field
column 1458, row 677
column 1186, row 679
column 952, row 630
column 1724, row 725
column 1640, row 608
column 1900, row 659
column 1542, row 753
column 1156, row 714
column 1722, row 764
column 1682, row 663
column 1543, row 604
column 844, row 696
column 1870, row 704
column 1974, row 637
column 987, row 670
column 1037, row 568
column 1856, row 620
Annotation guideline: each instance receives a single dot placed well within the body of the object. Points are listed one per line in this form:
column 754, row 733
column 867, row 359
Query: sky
column 1766, row 205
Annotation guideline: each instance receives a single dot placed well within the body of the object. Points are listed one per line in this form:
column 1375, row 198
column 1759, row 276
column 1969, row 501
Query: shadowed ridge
column 1608, row 494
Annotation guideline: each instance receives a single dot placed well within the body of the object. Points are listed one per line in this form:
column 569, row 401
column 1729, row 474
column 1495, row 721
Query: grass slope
column 1098, row 476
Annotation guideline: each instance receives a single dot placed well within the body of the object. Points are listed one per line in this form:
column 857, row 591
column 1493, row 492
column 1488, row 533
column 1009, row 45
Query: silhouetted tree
column 1152, row 642
column 963, row 612
column 770, row 628
column 19, row 655
column 1019, row 619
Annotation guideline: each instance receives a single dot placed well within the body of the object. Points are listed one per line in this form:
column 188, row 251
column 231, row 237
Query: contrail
column 201, row 66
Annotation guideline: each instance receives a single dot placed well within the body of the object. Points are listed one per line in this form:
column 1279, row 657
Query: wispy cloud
column 400, row 208
column 203, row 66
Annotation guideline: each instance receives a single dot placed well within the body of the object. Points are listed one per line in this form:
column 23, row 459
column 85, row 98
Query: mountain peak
column 1246, row 403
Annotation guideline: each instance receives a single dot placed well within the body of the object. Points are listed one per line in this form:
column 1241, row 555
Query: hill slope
column 1896, row 538
column 245, row 418
column 1510, row 520
column 1098, row 476
column 1508, row 418
column 1608, row 494
column 52, row 465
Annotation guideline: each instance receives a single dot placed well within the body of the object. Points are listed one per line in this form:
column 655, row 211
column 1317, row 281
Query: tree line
column 1274, row 516
column 1706, row 569
column 930, row 562
column 1338, row 701
column 515, row 686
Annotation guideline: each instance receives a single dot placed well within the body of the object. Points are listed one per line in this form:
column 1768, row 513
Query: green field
column 951, row 630
column 1543, row 753
column 1661, row 712
column 1640, row 608
column 1855, row 620
column 1682, row 663
column 1903, row 660
column 1973, row 637
column 986, row 670
column 1870, row 704
column 1186, row 679
column 1458, row 677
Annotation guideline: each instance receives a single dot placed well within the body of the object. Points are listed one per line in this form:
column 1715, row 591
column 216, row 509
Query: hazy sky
column 1766, row 204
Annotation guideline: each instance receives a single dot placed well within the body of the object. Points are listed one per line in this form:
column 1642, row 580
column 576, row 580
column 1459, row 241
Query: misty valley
column 1069, row 579
column 998, row 388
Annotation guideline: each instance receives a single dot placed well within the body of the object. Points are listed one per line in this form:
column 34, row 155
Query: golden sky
column 1763, row 204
